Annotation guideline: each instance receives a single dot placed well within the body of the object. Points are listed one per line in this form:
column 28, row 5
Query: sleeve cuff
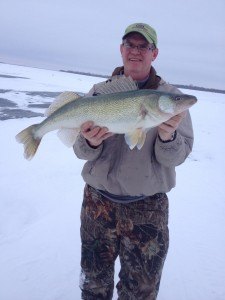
column 173, row 137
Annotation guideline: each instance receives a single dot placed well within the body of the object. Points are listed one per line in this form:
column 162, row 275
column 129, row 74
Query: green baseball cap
column 147, row 31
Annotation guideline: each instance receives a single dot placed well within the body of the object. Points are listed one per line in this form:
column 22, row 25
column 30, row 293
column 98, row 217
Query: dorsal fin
column 116, row 84
column 61, row 100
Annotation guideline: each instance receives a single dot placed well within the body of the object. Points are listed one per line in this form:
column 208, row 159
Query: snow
column 40, row 202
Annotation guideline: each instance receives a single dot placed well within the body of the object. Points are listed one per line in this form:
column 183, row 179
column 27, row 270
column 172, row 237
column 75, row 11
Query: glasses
column 141, row 48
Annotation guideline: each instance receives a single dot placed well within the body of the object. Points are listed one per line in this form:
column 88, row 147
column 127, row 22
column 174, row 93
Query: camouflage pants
column 136, row 232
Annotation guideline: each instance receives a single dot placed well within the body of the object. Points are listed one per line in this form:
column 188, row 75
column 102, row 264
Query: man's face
column 137, row 62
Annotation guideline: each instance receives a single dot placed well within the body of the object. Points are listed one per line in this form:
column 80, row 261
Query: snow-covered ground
column 40, row 201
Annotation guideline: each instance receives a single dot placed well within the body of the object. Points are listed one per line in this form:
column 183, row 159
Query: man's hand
column 95, row 135
column 166, row 129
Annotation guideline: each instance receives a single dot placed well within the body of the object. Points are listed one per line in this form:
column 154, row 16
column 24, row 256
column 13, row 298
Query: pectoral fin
column 141, row 140
column 68, row 136
column 135, row 138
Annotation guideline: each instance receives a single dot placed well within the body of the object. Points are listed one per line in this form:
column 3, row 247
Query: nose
column 135, row 49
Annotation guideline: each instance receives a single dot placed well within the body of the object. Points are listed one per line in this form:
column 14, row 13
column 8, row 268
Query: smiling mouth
column 135, row 59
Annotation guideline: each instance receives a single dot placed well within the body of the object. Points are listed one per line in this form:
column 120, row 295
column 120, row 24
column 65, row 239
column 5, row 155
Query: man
column 125, row 206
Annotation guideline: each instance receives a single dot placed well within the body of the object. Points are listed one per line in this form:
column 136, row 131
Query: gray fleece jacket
column 114, row 168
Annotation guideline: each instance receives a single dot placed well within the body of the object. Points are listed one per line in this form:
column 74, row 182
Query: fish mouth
column 189, row 102
column 192, row 100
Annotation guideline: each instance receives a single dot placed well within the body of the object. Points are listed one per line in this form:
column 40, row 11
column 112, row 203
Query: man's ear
column 155, row 53
column 121, row 47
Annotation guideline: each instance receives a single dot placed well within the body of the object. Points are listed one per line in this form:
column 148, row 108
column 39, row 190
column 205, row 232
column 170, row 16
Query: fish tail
column 27, row 138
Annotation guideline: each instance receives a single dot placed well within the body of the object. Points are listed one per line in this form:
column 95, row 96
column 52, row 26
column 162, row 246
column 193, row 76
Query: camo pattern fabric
column 137, row 232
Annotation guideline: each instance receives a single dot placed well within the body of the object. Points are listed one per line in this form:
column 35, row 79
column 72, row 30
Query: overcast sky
column 85, row 35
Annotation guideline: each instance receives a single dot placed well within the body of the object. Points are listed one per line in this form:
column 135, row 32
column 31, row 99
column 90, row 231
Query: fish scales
column 104, row 111
column 131, row 113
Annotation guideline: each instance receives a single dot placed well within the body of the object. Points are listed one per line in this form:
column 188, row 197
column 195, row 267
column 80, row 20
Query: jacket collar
column 151, row 83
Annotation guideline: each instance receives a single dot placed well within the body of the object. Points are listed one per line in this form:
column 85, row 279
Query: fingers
column 166, row 129
column 173, row 123
column 97, row 135
column 94, row 134
column 86, row 126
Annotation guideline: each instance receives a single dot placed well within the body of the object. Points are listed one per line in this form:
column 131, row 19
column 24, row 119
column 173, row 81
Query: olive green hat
column 147, row 31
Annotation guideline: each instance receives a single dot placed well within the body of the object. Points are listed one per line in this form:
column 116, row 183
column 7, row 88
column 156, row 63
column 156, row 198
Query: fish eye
column 178, row 98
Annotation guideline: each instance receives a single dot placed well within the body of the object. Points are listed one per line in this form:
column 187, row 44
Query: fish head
column 174, row 104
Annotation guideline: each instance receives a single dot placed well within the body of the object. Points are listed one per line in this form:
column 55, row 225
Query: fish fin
column 141, row 140
column 61, row 100
column 26, row 137
column 116, row 84
column 68, row 136
column 135, row 138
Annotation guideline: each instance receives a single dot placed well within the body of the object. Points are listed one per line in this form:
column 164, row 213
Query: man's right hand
column 95, row 135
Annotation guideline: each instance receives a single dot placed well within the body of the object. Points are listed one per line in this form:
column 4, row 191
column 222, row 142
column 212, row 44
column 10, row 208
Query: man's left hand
column 167, row 129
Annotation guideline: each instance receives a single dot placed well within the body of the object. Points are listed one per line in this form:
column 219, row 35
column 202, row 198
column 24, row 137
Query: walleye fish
column 119, row 106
